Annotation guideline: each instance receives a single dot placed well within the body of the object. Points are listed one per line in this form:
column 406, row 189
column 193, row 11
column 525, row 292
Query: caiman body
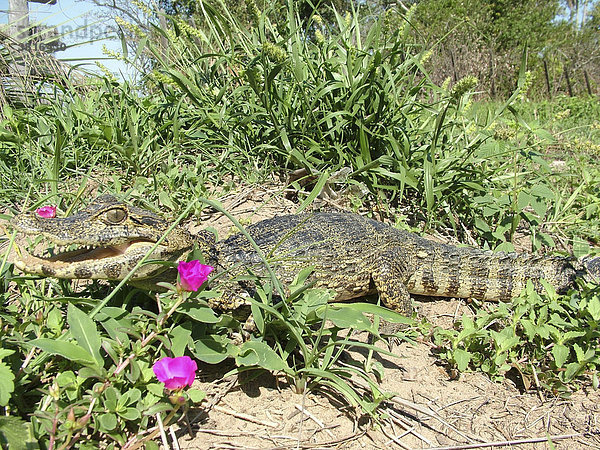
column 352, row 255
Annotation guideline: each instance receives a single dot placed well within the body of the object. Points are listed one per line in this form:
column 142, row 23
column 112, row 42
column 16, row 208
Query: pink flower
column 192, row 274
column 47, row 212
column 175, row 373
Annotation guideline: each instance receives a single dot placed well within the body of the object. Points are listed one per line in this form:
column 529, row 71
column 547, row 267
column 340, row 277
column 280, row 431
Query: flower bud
column 83, row 420
column 177, row 399
column 47, row 212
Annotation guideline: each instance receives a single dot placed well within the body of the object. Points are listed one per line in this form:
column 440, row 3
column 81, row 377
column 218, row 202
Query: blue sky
column 76, row 19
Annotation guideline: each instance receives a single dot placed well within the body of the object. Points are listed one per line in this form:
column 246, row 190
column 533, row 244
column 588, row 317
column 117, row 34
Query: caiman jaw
column 111, row 263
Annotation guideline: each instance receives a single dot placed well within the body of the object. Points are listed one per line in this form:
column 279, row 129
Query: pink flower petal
column 161, row 369
column 193, row 274
column 176, row 383
column 175, row 373
column 47, row 212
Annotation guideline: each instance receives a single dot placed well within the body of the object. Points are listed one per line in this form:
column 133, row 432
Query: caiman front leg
column 389, row 275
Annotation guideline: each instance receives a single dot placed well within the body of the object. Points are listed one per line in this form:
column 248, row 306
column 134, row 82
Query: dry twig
column 247, row 417
column 163, row 435
column 430, row 413
column 314, row 419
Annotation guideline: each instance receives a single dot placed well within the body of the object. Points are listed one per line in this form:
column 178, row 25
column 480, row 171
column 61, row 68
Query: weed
column 550, row 340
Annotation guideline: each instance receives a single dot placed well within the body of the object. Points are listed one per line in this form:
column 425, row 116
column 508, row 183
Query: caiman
column 348, row 253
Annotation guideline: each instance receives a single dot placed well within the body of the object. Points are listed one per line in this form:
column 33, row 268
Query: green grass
column 225, row 104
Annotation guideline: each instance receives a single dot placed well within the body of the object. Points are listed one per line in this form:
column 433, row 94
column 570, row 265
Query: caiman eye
column 115, row 216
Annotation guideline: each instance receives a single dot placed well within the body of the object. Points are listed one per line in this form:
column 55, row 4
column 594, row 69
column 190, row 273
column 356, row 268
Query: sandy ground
column 428, row 411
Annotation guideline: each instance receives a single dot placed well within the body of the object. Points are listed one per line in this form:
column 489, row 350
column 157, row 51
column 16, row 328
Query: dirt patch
column 248, row 204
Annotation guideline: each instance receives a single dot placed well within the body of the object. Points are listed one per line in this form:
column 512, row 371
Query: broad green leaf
column 580, row 247
column 579, row 352
column 572, row 370
column 546, row 239
column 347, row 318
column 5, row 352
column 300, row 279
column 542, row 190
column 165, row 199
column 180, row 338
column 84, row 331
column 111, row 398
column 7, row 385
column 116, row 329
column 468, row 324
column 9, row 137
column 543, row 331
column 196, row 395
column 468, row 330
column 210, row 350
column 91, row 372
column 201, row 313
column 14, row 433
column 529, row 328
column 544, row 135
column 130, row 414
column 482, row 225
column 55, row 320
column 560, row 353
column 131, row 396
column 158, row 408
column 507, row 343
column 539, row 206
column 68, row 350
column 500, row 359
column 523, row 200
column 313, row 300
column 148, row 401
column 66, row 378
column 505, row 247
column 156, row 388
column 370, row 308
column 462, row 359
column 594, row 308
column 572, row 335
column 256, row 353
column 108, row 421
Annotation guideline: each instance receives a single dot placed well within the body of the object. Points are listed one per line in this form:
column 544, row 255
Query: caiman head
column 104, row 241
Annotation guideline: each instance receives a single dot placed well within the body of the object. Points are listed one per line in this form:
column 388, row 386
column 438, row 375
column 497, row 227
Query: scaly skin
column 350, row 254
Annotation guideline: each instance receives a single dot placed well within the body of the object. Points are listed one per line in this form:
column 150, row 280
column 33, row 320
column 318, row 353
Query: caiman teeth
column 56, row 250
column 53, row 252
